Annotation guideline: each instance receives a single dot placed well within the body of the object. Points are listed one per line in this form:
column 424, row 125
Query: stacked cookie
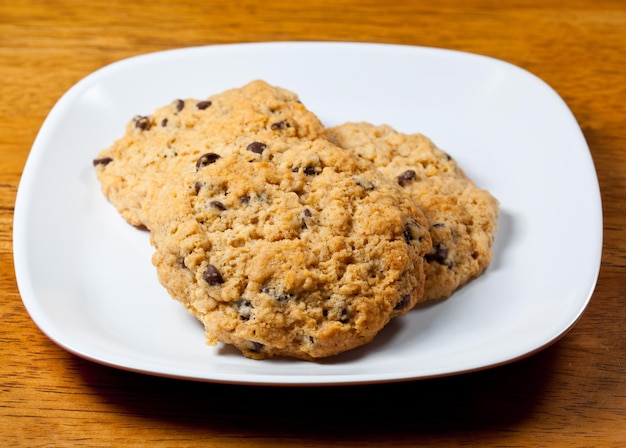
column 288, row 239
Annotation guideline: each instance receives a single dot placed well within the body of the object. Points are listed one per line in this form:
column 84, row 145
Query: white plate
column 85, row 275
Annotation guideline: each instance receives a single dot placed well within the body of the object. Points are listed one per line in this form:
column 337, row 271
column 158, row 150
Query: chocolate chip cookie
column 287, row 246
column 462, row 217
column 167, row 139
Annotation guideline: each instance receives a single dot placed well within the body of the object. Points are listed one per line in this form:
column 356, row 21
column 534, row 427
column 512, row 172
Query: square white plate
column 86, row 278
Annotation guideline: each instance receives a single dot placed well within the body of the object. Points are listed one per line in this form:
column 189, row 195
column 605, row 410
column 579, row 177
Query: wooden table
column 571, row 394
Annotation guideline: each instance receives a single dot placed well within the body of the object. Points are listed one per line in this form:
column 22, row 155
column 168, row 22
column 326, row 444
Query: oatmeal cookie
column 283, row 246
column 462, row 217
column 166, row 140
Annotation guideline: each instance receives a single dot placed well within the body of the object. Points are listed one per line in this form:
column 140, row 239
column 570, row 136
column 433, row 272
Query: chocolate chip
column 408, row 232
column 206, row 159
column 203, row 104
column 245, row 199
column 197, row 187
column 142, row 123
column 280, row 125
column 212, row 276
column 438, row 254
column 103, row 161
column 180, row 105
column 438, row 225
column 344, row 318
column 164, row 122
column 255, row 347
column 310, row 170
column 244, row 309
column 407, row 177
column 403, row 303
column 256, row 147
column 218, row 205
column 306, row 215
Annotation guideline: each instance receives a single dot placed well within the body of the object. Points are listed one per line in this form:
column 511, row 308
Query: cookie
column 284, row 246
column 462, row 217
column 166, row 140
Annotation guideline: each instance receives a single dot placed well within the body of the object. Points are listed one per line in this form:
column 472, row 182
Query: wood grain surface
column 570, row 394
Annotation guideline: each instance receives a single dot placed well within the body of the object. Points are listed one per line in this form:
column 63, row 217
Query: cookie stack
column 285, row 238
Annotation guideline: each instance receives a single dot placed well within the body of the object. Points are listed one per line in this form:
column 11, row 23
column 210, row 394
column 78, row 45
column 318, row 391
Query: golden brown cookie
column 283, row 246
column 462, row 217
column 166, row 140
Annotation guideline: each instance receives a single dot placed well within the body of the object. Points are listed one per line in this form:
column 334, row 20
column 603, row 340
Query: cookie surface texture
column 462, row 217
column 284, row 246
column 172, row 136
